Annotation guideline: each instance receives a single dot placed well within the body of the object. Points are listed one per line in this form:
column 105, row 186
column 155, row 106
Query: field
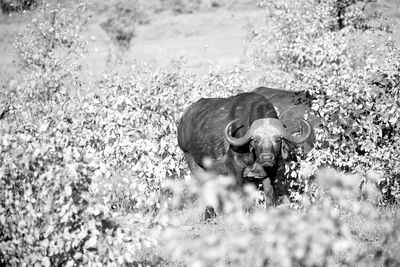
column 91, row 172
column 201, row 40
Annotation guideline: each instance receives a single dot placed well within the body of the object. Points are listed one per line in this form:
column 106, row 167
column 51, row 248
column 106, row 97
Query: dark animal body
column 240, row 136
column 291, row 105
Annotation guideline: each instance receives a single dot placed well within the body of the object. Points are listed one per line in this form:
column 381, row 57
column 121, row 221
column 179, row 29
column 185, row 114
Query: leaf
column 77, row 256
column 68, row 190
column 91, row 242
column 46, row 261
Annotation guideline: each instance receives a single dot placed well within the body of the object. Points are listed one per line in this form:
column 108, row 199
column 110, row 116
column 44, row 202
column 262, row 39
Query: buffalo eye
column 278, row 139
column 257, row 142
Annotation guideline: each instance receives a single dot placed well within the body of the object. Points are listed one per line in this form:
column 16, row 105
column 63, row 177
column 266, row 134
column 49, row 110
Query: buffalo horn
column 233, row 140
column 299, row 139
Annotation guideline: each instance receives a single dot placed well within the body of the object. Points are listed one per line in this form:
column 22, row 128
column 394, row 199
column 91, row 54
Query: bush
column 51, row 213
column 121, row 25
column 48, row 50
column 8, row 6
column 76, row 161
column 132, row 126
column 48, row 215
column 351, row 81
column 185, row 7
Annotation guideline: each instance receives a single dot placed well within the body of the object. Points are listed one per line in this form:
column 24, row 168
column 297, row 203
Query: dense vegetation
column 72, row 163
column 8, row 6
column 354, row 84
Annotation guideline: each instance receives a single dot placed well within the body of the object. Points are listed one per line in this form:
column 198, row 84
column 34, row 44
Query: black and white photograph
column 200, row 133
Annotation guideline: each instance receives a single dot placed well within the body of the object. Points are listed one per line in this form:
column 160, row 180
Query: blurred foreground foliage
column 315, row 235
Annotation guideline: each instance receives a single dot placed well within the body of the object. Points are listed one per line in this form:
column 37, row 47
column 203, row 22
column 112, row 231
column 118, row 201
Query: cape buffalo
column 291, row 106
column 240, row 136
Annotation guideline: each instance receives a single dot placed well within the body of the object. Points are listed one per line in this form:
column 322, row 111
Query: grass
column 200, row 39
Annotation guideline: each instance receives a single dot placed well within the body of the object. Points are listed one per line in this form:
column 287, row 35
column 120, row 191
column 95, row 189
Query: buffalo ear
column 284, row 150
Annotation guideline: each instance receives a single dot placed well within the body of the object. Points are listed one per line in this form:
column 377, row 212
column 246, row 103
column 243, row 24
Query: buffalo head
column 267, row 139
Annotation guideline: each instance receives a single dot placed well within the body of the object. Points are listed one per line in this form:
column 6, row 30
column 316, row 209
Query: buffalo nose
column 267, row 157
